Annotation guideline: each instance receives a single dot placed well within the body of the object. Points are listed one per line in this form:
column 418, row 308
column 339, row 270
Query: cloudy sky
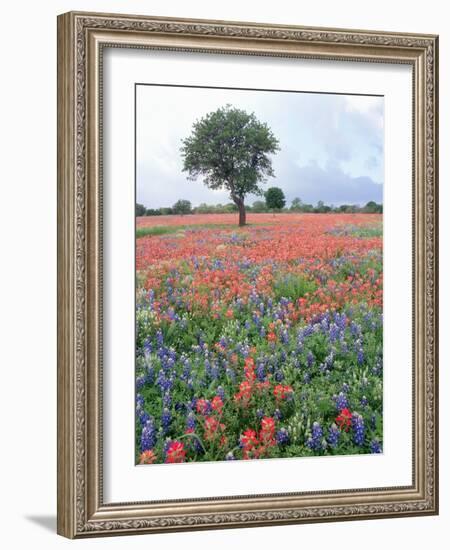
column 332, row 146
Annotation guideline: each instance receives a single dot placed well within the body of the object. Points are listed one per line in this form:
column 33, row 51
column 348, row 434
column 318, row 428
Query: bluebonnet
column 282, row 437
column 190, row 421
column 279, row 376
column 360, row 356
column 309, row 359
column 221, row 392
column 150, row 374
column 215, row 371
column 166, row 419
column 315, row 442
column 359, row 430
column 341, row 401
column 375, row 447
column 143, row 417
column 333, row 435
column 355, row 329
column 230, row 456
column 261, row 372
column 140, row 382
column 148, row 435
column 334, row 332
column 139, row 401
column 278, row 415
column 148, row 348
column 364, row 401
column 167, row 400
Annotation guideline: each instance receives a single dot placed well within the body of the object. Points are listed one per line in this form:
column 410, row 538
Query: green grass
column 359, row 231
column 156, row 230
column 167, row 229
column 293, row 287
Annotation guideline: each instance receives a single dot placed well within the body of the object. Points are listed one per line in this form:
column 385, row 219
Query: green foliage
column 293, row 286
column 140, row 209
column 373, row 208
column 182, row 206
column 259, row 206
column 296, row 205
column 275, row 198
column 230, row 149
column 153, row 212
column 166, row 211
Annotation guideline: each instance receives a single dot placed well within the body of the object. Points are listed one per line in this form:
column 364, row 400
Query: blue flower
column 148, row 435
column 360, row 356
column 190, row 421
column 341, row 401
column 166, row 419
column 167, row 400
column 315, row 442
column 375, row 447
column 359, row 430
column 140, row 382
column 261, row 372
column 278, row 415
column 333, row 435
column 282, row 437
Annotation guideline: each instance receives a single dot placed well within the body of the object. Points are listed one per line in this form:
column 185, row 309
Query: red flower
column 249, row 370
column 212, row 428
column 147, row 457
column 217, row 404
column 202, row 406
column 249, row 442
column 267, row 432
column 272, row 337
column 344, row 420
column 245, row 392
column 175, row 453
column 282, row 392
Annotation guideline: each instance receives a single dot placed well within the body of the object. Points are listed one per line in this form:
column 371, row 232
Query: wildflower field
column 258, row 342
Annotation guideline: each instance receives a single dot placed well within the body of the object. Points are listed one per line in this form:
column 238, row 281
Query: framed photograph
column 247, row 274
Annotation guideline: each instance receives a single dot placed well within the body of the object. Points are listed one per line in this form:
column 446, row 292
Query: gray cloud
column 312, row 183
column 331, row 145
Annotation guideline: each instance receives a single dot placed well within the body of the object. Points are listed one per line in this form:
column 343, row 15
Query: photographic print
column 247, row 274
column 259, row 274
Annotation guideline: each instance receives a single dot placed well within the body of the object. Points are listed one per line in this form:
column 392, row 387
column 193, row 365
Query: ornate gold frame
column 81, row 37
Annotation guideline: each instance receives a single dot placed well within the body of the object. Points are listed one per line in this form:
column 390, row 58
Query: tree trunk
column 242, row 214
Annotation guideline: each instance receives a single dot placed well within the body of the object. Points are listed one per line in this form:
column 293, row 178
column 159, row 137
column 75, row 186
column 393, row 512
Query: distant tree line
column 274, row 201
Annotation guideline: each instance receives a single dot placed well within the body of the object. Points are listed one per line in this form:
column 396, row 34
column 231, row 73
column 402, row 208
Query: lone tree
column 275, row 199
column 230, row 149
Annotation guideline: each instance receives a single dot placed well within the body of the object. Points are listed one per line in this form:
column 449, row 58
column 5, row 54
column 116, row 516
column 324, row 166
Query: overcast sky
column 332, row 146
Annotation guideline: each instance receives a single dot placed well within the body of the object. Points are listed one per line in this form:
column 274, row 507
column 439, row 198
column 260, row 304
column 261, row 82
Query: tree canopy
column 182, row 206
column 275, row 198
column 230, row 148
